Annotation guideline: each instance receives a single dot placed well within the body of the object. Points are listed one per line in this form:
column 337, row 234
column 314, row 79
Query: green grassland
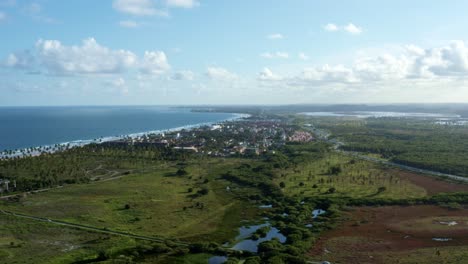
column 157, row 203
column 180, row 196
column 85, row 164
column 200, row 258
column 28, row 241
column 160, row 202
column 415, row 142
column 351, row 178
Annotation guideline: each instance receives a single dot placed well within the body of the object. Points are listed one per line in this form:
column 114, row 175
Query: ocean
column 24, row 127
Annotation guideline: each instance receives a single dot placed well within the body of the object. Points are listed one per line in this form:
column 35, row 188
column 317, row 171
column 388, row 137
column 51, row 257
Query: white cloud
column 51, row 56
column 353, row 29
column 350, row 28
column 218, row 73
column 90, row 57
column 266, row 55
column 275, row 36
column 382, row 68
column 450, row 60
column 3, row 16
column 417, row 63
column 12, row 60
column 267, row 75
column 200, row 88
column 119, row 82
column 129, row 24
column 154, row 62
column 275, row 55
column 396, row 70
column 413, row 64
column 182, row 3
column 367, row 70
column 138, row 7
column 20, row 60
column 415, row 50
column 331, row 27
column 183, row 75
column 22, row 87
column 327, row 73
column 303, row 56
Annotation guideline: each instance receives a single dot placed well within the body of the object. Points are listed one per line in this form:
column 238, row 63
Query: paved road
column 91, row 228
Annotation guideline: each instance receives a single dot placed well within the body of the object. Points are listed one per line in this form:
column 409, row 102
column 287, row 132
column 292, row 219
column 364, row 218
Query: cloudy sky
column 232, row 52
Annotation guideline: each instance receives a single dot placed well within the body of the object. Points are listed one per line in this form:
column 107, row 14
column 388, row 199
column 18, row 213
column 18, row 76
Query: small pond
column 317, row 212
column 252, row 245
column 441, row 239
column 245, row 244
column 217, row 260
column 448, row 223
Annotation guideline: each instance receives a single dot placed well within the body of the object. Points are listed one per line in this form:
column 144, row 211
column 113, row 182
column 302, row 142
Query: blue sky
column 232, row 52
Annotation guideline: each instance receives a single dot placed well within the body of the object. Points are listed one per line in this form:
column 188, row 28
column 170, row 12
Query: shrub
column 276, row 260
column 253, row 260
column 334, row 170
column 232, row 261
column 181, row 172
column 451, row 206
column 381, row 189
column 203, row 191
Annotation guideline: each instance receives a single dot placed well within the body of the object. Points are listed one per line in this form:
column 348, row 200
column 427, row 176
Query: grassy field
column 188, row 199
column 157, row 203
column 416, row 142
column 187, row 259
column 27, row 241
column 356, row 179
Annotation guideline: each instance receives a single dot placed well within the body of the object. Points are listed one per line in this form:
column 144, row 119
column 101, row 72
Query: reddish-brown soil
column 432, row 184
column 368, row 232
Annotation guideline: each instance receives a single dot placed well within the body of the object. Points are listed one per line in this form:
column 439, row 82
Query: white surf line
column 38, row 150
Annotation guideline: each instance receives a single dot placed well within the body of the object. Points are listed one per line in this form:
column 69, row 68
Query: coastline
column 57, row 147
